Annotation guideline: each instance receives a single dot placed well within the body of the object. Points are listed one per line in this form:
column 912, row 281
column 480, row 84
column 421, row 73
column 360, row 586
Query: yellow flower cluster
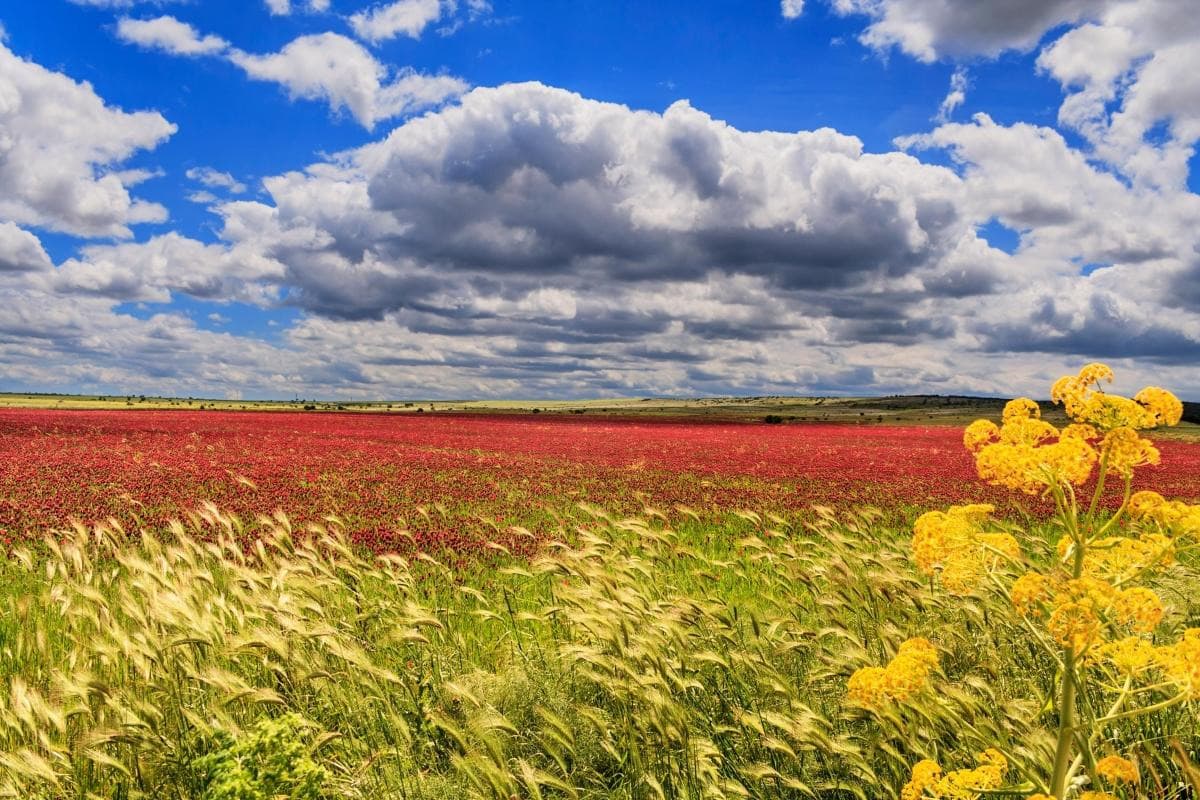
column 1093, row 795
column 1180, row 663
column 1127, row 450
column 954, row 543
column 1020, row 454
column 925, row 775
column 1176, row 515
column 1078, row 608
column 1117, row 769
column 1085, row 403
column 927, row 779
column 1129, row 656
column 904, row 676
column 1028, row 454
column 1117, row 558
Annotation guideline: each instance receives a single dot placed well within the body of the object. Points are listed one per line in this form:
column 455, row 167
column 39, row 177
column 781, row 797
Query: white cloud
column 399, row 17
column 955, row 97
column 529, row 240
column 336, row 69
column 326, row 66
column 215, row 179
column 284, row 7
column 151, row 271
column 60, row 146
column 169, row 34
column 791, row 9
column 932, row 29
column 121, row 3
column 1135, row 67
column 21, row 251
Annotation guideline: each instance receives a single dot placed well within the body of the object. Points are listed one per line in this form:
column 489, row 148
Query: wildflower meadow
column 235, row 606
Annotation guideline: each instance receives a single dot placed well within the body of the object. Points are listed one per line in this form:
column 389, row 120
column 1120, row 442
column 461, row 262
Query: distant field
column 454, row 479
column 952, row 410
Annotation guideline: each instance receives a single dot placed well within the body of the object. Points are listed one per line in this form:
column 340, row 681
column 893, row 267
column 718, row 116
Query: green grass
column 639, row 658
column 895, row 410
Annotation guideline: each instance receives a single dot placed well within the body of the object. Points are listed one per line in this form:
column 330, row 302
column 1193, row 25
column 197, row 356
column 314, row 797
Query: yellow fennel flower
column 1089, row 590
column 1079, row 430
column 1071, row 459
column 1162, row 406
column 1073, row 391
column 1028, row 593
column 1074, row 625
column 1108, row 411
column 1119, row 557
column 925, row 774
column 1025, row 459
column 1021, row 408
column 1117, row 769
column 1094, row 373
column 953, row 545
column 1180, row 663
column 1127, row 450
column 1146, row 505
column 1026, row 430
column 1140, row 608
column 980, row 433
column 1097, row 796
column 1001, row 543
column 1086, row 403
column 904, row 676
column 939, row 536
column 1011, row 466
column 1128, row 656
column 1155, row 549
column 966, row 784
column 867, row 687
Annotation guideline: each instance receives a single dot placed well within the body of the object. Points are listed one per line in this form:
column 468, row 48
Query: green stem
column 1137, row 712
column 1066, row 722
column 1091, row 514
column 1120, row 511
column 1066, row 713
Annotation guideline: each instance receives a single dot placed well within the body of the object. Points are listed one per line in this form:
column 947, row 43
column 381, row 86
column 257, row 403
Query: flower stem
column 1066, row 723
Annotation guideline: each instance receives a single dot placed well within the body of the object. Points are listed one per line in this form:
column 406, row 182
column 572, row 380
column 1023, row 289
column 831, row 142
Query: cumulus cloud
column 1127, row 66
column 21, row 251
column 527, row 240
column 151, row 271
column 327, row 67
column 168, row 34
column 1100, row 260
column 791, row 9
column 400, row 17
column 932, row 29
column 60, row 146
column 525, row 182
column 1143, row 59
column 551, row 240
column 340, row 71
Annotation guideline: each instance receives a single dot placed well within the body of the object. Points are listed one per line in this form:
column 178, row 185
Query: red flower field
column 374, row 471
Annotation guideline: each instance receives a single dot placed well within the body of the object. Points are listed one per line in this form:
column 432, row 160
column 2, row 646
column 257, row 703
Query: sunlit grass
column 647, row 657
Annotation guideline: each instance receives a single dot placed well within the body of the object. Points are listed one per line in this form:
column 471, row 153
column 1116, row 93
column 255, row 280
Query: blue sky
column 578, row 199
